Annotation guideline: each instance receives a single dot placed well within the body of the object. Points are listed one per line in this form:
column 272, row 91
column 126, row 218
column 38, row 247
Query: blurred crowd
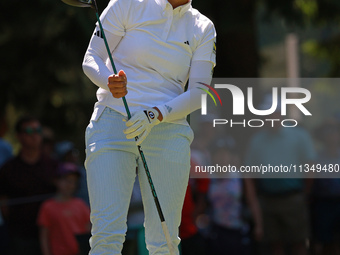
column 276, row 214
column 43, row 194
column 45, row 206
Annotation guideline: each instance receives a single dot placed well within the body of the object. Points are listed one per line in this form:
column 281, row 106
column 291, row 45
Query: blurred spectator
column 25, row 181
column 63, row 217
column 48, row 142
column 229, row 196
column 204, row 136
column 192, row 241
column 6, row 152
column 283, row 200
column 325, row 208
column 66, row 152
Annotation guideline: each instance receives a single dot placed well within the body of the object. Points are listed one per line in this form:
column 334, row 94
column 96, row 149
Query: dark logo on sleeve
column 151, row 115
column 99, row 34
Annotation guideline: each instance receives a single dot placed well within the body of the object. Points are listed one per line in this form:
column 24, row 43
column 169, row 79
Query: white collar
column 182, row 8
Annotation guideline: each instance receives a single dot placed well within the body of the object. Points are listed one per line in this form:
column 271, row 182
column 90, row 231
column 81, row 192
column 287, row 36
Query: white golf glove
column 140, row 124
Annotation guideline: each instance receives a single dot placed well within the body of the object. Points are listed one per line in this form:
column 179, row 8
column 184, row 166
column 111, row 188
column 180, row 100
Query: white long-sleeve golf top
column 159, row 48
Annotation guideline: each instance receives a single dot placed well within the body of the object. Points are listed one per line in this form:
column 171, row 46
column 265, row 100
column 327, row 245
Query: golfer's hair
column 23, row 120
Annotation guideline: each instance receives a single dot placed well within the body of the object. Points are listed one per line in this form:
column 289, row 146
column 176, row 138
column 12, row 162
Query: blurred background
column 42, row 48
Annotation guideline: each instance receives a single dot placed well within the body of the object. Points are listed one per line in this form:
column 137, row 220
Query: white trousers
column 111, row 162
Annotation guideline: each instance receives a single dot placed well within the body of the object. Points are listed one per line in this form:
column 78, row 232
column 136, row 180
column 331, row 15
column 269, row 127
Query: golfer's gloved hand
column 140, row 124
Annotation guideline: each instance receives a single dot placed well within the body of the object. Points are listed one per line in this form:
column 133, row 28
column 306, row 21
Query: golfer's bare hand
column 117, row 84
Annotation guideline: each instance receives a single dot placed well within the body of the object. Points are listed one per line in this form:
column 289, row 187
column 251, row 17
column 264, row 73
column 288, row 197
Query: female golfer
column 157, row 45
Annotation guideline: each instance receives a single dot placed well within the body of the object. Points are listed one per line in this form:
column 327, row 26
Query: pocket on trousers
column 97, row 112
column 188, row 133
column 191, row 134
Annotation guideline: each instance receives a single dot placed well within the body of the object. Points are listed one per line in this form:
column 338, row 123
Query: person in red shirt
column 64, row 216
column 192, row 241
column 26, row 180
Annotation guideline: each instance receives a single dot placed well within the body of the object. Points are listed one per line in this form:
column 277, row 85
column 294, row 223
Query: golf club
column 93, row 5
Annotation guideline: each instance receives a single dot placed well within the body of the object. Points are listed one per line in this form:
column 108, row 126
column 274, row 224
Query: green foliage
column 42, row 48
column 302, row 12
column 308, row 7
column 323, row 15
column 288, row 9
column 327, row 49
